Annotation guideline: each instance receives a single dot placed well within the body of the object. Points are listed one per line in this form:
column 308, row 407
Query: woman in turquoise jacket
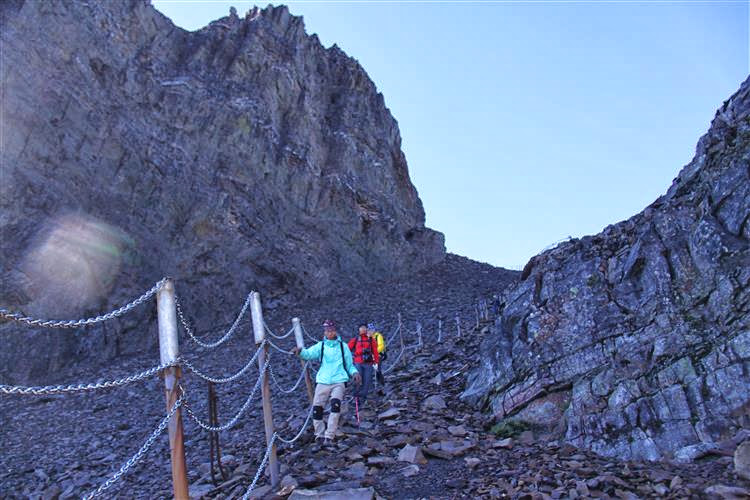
column 336, row 368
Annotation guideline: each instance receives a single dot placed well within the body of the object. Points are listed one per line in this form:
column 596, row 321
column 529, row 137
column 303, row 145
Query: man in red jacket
column 364, row 347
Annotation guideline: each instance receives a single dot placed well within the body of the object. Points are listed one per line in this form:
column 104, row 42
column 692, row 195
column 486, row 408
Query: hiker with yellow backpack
column 380, row 339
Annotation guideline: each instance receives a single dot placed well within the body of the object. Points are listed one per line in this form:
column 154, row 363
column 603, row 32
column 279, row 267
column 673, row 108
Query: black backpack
column 343, row 358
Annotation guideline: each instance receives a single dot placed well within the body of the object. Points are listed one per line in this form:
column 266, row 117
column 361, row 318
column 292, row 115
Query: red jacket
column 363, row 348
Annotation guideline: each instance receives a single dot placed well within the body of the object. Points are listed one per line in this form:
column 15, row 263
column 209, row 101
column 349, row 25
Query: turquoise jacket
column 333, row 370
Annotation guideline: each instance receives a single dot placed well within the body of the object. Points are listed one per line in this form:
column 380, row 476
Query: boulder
column 742, row 460
column 434, row 402
column 411, row 454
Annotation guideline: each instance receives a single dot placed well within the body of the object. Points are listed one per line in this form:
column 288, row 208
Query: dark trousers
column 381, row 367
column 365, row 371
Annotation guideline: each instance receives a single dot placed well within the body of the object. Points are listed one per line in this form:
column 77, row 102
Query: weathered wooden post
column 260, row 335
column 440, row 330
column 478, row 307
column 419, row 335
column 169, row 352
column 301, row 344
column 458, row 324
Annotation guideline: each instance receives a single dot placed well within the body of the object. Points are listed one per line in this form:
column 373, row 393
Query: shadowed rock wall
column 635, row 342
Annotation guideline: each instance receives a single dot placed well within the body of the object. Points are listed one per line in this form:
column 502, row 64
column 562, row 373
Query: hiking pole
column 356, row 409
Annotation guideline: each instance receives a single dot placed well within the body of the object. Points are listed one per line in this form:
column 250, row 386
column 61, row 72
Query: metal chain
column 392, row 364
column 309, row 337
column 278, row 337
column 242, row 410
column 392, row 336
column 231, row 378
column 279, row 348
column 294, row 387
column 139, row 454
column 261, row 468
column 301, row 431
column 61, row 389
column 224, row 338
column 47, row 323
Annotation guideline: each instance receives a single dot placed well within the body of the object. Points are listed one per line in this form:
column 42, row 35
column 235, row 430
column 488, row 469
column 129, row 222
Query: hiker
column 336, row 368
column 373, row 331
column 365, row 349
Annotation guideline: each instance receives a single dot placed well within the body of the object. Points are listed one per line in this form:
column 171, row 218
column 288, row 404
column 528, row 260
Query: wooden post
column 260, row 334
column 301, row 344
column 169, row 351
column 478, row 313
column 440, row 330
column 419, row 335
column 458, row 325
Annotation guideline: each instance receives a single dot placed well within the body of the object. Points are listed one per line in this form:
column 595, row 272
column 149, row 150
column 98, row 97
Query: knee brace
column 335, row 405
column 317, row 412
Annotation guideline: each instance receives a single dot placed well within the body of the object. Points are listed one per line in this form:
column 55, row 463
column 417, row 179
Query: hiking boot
column 329, row 444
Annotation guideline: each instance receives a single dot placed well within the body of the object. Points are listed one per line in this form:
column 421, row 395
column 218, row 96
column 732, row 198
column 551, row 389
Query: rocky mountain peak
column 242, row 155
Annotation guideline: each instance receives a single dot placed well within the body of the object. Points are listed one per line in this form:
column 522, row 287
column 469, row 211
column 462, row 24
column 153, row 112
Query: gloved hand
column 375, row 366
column 357, row 379
column 296, row 350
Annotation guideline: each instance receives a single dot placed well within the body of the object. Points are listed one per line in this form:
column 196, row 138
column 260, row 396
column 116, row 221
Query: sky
column 528, row 122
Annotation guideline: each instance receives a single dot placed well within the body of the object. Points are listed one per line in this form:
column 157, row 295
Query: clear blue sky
column 527, row 122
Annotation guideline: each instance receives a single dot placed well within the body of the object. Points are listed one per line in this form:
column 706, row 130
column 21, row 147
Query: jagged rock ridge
column 636, row 342
column 243, row 155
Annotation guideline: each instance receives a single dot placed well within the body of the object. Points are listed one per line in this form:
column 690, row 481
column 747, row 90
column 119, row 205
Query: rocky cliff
column 635, row 342
column 241, row 156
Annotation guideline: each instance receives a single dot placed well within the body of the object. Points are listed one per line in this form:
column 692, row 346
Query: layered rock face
column 241, row 156
column 636, row 342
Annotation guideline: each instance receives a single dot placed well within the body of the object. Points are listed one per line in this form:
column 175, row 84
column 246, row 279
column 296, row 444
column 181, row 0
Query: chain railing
column 301, row 431
column 230, row 378
column 392, row 336
column 277, row 337
column 261, row 467
column 237, row 416
column 309, row 337
column 210, row 345
column 49, row 323
column 294, row 387
column 62, row 389
column 183, row 400
column 140, row 453
column 284, row 351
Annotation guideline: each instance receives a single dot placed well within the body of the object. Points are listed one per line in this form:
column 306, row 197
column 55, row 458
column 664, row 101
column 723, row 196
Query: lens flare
column 73, row 264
